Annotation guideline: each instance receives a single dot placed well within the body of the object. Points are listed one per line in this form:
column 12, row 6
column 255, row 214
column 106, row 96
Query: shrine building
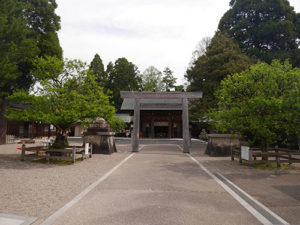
column 159, row 118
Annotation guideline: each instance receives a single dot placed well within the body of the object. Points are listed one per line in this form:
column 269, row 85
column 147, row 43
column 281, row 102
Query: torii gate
column 159, row 95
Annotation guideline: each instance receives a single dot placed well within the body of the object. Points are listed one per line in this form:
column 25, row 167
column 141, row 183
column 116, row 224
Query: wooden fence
column 256, row 155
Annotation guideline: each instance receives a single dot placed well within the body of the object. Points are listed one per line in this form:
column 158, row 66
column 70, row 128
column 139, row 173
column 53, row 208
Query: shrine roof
column 153, row 104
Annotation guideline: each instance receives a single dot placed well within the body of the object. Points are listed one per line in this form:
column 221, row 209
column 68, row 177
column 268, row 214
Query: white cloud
column 147, row 32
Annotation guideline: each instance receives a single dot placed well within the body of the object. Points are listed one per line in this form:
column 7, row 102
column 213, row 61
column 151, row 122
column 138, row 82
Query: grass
column 270, row 166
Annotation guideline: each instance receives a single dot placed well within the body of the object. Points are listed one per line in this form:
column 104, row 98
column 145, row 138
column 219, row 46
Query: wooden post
column 277, row 158
column 73, row 154
column 23, row 152
column 185, row 125
column 169, row 126
column 47, row 157
column 250, row 158
column 136, row 126
column 91, row 150
column 152, row 126
column 3, row 122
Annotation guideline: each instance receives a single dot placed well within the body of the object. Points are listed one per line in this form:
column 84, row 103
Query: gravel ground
column 37, row 190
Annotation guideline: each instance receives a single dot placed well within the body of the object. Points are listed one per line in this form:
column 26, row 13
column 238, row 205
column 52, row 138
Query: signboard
column 245, row 151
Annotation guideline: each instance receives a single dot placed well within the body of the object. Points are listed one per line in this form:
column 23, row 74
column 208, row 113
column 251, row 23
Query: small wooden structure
column 70, row 153
column 139, row 106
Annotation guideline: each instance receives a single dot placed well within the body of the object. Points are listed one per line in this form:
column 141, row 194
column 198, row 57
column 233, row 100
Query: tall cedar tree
column 264, row 29
column 28, row 29
column 122, row 76
column 222, row 57
column 168, row 79
column 98, row 70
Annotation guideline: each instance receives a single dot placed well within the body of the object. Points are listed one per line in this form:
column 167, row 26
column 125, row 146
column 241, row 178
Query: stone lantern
column 100, row 136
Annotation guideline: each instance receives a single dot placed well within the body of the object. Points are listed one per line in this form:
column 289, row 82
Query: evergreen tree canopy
column 97, row 68
column 122, row 76
column 223, row 57
column 261, row 104
column 152, row 79
column 265, row 29
column 28, row 30
column 168, row 79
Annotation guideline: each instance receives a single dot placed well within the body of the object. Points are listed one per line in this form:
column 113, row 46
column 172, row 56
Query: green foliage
column 179, row 87
column 261, row 104
column 68, row 95
column 264, row 29
column 98, row 69
column 27, row 31
column 116, row 124
column 122, row 76
column 152, row 79
column 168, row 79
column 222, row 57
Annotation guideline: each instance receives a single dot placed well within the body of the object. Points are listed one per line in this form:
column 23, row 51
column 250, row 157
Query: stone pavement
column 159, row 185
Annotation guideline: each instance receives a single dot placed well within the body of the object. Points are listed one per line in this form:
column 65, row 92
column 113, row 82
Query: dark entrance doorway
column 161, row 131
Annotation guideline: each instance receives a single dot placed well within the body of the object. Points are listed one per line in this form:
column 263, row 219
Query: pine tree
column 264, row 29
column 98, row 69
column 222, row 58
column 122, row 76
column 168, row 79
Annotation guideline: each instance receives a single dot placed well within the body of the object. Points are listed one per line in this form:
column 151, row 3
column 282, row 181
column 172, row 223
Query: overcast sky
column 156, row 33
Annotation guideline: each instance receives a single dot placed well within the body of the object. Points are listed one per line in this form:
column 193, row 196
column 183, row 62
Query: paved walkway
column 160, row 185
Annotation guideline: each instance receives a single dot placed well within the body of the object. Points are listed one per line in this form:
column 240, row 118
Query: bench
column 70, row 153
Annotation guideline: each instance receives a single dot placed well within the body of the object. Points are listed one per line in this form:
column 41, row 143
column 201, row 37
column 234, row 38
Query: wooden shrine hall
column 159, row 118
column 159, row 114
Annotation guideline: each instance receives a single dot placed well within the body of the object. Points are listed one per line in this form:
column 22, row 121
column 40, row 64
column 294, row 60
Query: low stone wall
column 221, row 144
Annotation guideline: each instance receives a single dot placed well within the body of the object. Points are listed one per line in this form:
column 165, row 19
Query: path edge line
column 51, row 219
column 245, row 204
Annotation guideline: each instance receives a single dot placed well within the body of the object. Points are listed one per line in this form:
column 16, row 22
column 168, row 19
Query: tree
column 68, row 95
column 261, row 104
column 98, row 69
column 152, row 79
column 200, row 49
column 168, row 79
column 223, row 57
column 122, row 76
column 27, row 31
column 264, row 29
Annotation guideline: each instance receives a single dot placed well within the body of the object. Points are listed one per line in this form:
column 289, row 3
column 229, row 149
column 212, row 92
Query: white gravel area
column 37, row 190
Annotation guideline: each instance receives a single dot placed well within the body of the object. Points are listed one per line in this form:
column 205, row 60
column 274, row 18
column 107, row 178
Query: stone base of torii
column 161, row 95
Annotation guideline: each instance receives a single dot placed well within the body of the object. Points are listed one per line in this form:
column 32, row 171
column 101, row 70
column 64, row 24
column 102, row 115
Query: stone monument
column 100, row 136
column 221, row 144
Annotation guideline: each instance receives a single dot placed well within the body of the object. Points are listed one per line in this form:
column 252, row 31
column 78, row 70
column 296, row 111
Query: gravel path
column 37, row 190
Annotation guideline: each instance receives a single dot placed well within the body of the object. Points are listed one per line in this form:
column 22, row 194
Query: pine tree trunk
column 3, row 122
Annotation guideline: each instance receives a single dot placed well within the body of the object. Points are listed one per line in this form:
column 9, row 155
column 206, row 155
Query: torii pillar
column 159, row 95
